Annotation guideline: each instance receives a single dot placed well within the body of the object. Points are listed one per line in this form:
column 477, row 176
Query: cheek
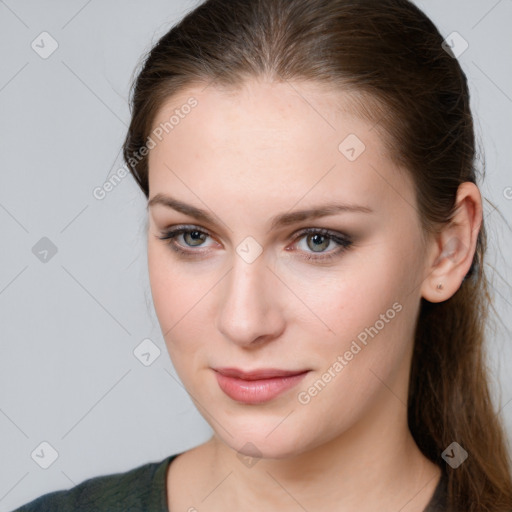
column 162, row 282
column 180, row 297
column 173, row 287
column 362, row 361
column 367, row 305
column 172, row 291
column 342, row 300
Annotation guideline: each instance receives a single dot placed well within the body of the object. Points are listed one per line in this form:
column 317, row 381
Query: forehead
column 278, row 141
column 266, row 109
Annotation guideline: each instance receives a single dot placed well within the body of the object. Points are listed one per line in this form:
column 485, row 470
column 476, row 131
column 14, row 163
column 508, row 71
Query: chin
column 256, row 442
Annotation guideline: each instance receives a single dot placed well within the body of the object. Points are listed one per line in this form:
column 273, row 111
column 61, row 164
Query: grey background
column 69, row 326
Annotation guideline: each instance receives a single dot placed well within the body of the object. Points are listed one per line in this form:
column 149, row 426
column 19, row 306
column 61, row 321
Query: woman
column 315, row 250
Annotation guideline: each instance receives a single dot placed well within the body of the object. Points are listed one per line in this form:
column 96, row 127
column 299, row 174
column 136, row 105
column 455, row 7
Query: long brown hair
column 389, row 52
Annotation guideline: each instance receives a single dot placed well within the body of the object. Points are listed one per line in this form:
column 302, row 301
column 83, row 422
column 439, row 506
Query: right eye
column 192, row 237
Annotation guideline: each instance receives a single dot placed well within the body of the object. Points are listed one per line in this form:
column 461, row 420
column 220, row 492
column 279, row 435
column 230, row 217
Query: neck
column 375, row 465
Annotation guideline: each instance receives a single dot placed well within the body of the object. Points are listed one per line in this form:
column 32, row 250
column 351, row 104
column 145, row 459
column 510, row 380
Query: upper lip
column 264, row 373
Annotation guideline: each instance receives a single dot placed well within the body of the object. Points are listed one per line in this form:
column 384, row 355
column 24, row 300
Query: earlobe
column 447, row 270
column 453, row 249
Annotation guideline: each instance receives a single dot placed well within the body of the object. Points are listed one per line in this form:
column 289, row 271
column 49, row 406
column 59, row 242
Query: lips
column 257, row 386
column 265, row 373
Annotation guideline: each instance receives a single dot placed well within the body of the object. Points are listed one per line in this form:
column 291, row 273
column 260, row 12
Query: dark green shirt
column 142, row 489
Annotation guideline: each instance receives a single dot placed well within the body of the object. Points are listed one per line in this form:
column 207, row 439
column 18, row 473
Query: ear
column 451, row 251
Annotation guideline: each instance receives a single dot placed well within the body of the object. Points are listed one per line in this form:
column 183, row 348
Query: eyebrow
column 281, row 220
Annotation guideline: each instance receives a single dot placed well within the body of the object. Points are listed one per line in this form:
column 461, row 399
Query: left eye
column 320, row 239
column 315, row 238
column 316, row 241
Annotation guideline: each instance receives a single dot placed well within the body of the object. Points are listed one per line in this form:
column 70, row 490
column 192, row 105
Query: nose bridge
column 249, row 307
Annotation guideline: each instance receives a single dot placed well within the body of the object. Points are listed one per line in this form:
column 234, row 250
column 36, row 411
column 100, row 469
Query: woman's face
column 243, row 293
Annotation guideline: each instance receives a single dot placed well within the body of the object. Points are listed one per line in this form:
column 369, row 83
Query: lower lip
column 256, row 391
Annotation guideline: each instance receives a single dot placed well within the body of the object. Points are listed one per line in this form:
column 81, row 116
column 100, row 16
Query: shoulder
column 140, row 488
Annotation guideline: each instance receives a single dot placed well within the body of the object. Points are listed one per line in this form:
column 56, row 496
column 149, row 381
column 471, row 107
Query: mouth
column 257, row 386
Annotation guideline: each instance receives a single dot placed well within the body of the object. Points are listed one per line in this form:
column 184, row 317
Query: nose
column 250, row 310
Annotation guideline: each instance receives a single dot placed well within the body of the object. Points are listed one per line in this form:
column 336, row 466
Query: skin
column 246, row 156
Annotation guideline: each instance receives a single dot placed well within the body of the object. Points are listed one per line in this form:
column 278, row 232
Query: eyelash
column 344, row 241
